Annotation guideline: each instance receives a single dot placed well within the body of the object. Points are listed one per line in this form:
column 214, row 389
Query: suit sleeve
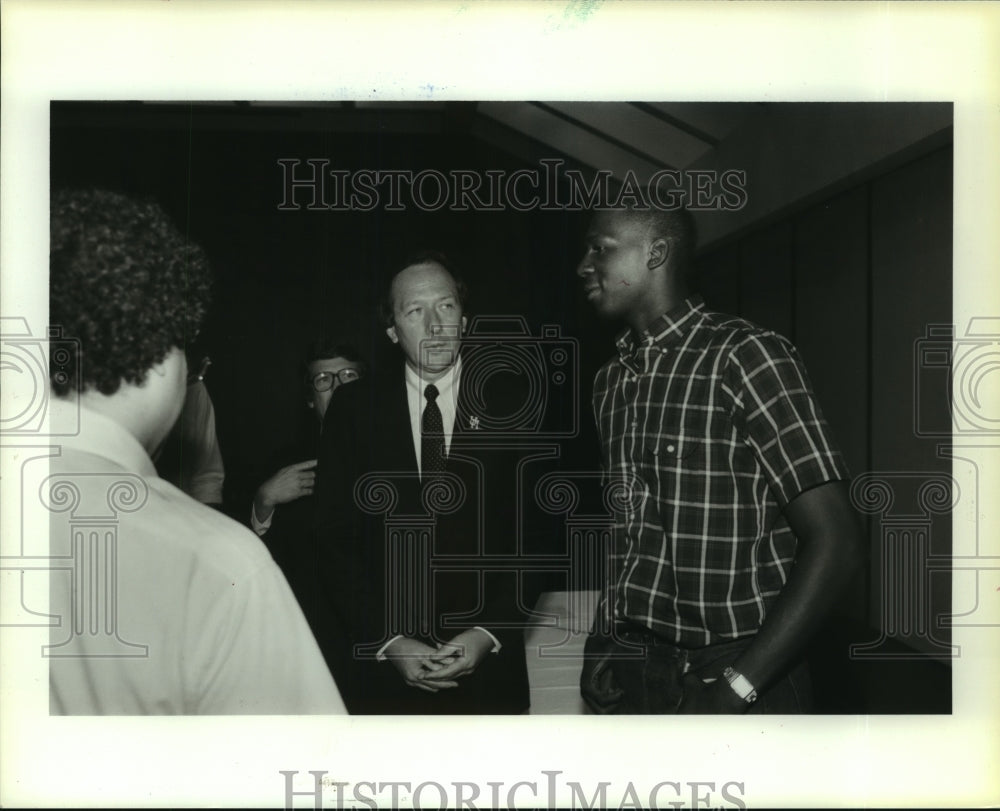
column 348, row 560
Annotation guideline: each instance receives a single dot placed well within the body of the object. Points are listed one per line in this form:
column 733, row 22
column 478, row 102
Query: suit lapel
column 497, row 401
column 461, row 411
column 396, row 434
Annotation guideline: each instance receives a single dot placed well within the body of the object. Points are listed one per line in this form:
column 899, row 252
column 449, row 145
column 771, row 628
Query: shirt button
column 670, row 448
column 635, row 423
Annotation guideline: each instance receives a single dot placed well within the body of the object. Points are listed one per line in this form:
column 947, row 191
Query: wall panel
column 718, row 279
column 831, row 315
column 766, row 278
column 911, row 289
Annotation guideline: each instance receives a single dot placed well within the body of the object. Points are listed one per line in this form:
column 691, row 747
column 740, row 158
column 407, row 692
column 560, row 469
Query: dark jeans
column 653, row 684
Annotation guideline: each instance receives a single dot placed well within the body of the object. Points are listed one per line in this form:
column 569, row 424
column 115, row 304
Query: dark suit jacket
column 378, row 526
column 289, row 539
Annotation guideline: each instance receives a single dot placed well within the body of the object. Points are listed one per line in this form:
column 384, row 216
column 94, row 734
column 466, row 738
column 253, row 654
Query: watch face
column 740, row 684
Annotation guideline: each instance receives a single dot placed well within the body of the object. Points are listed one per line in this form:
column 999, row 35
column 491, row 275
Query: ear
column 659, row 253
column 172, row 367
column 465, row 322
column 391, row 332
column 160, row 369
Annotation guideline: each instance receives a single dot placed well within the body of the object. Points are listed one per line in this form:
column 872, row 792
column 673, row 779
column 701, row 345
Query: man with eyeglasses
column 330, row 364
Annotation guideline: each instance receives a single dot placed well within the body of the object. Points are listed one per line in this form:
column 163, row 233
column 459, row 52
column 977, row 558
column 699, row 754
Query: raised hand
column 288, row 484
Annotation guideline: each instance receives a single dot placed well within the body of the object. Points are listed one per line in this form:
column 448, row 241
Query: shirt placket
column 629, row 391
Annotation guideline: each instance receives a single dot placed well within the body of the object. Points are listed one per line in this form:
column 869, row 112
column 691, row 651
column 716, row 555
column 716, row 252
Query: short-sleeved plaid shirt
column 712, row 422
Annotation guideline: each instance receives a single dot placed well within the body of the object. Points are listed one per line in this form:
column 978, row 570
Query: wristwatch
column 740, row 684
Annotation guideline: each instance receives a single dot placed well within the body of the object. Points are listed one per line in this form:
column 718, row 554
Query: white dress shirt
column 219, row 630
column 447, row 400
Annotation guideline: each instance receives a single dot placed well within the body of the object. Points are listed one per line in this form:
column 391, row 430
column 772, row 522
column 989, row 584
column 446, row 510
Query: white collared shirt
column 447, row 400
column 213, row 626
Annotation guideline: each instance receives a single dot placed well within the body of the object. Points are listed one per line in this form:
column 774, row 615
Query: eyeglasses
column 324, row 380
column 197, row 377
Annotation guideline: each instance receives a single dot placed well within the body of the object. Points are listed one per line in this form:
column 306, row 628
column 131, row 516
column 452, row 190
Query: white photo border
column 465, row 50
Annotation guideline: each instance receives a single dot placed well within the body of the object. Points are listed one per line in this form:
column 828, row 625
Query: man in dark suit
column 410, row 469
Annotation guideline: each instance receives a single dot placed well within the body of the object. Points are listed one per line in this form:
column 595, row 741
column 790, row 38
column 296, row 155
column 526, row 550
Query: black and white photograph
column 362, row 426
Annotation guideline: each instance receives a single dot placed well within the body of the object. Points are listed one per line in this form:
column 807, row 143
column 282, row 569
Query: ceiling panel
column 565, row 137
column 667, row 144
column 712, row 119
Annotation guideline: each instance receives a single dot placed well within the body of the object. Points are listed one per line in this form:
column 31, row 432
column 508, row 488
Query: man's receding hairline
column 431, row 263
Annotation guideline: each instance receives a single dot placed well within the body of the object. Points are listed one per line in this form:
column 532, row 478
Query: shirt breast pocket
column 673, row 450
column 672, row 465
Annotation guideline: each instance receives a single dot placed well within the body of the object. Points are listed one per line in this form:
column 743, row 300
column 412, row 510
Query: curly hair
column 125, row 283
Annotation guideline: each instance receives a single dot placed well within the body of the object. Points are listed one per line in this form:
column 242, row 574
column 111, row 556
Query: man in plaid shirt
column 738, row 534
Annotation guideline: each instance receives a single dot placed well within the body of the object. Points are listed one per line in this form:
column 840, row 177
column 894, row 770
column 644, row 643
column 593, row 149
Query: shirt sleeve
column 206, row 472
column 777, row 415
column 380, row 654
column 258, row 526
column 496, row 642
column 254, row 653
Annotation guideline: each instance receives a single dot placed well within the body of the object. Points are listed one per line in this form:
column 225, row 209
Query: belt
column 633, row 632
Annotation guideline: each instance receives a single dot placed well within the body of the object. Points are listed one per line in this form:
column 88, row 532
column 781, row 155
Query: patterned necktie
column 431, row 435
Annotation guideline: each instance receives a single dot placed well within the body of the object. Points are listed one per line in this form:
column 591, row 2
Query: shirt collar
column 671, row 327
column 445, row 384
column 98, row 435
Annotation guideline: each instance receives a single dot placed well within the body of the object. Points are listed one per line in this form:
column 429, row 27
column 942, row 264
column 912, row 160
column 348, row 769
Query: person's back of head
column 131, row 291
